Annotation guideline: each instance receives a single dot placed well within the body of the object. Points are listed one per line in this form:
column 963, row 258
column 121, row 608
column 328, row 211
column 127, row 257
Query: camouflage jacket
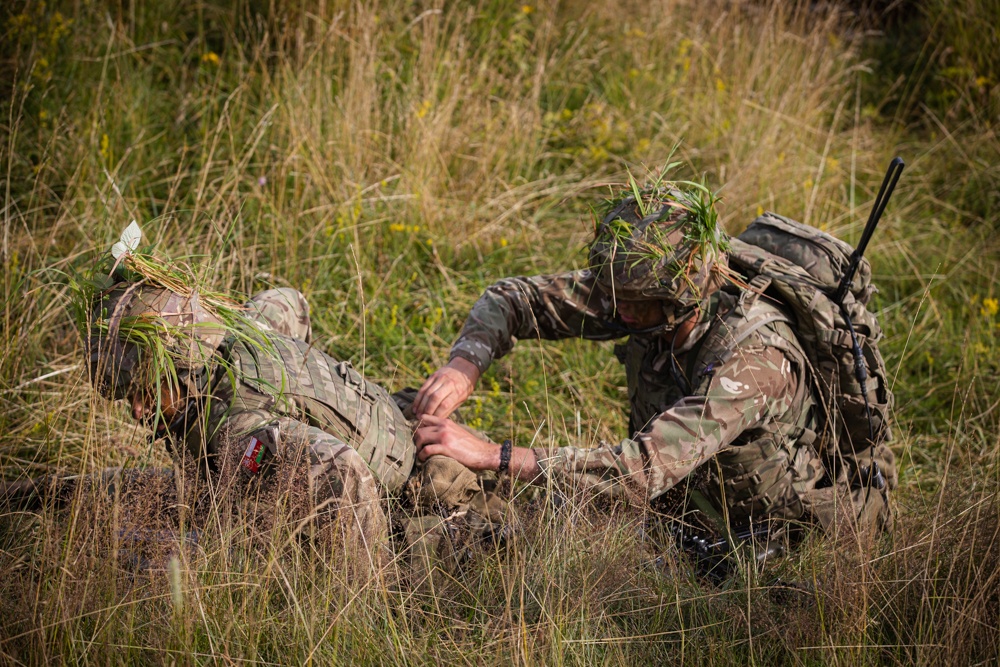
column 750, row 413
column 283, row 397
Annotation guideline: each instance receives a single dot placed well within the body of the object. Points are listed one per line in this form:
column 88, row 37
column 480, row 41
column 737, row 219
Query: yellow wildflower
column 832, row 163
column 981, row 81
column 760, row 210
column 990, row 307
column 424, row 108
column 720, row 85
column 211, row 57
column 105, row 146
column 808, row 183
column 597, row 153
column 503, row 243
column 527, row 9
column 400, row 227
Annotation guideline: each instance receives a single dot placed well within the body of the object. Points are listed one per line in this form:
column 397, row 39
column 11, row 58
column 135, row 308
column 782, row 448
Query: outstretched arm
column 438, row 435
column 568, row 305
column 746, row 391
column 339, row 479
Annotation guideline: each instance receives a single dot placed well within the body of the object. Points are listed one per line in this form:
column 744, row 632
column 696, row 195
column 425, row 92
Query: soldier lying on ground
column 215, row 379
column 724, row 406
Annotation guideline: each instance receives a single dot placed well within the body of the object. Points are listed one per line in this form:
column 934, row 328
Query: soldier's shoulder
column 779, row 328
column 766, row 322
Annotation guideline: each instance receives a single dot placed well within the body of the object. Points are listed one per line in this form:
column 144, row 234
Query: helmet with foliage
column 140, row 333
column 144, row 322
column 661, row 243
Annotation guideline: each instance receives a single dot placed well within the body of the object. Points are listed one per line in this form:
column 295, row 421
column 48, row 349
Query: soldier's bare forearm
column 437, row 435
column 523, row 464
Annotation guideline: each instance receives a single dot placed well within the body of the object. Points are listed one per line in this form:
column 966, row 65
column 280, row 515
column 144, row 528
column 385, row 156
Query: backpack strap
column 733, row 329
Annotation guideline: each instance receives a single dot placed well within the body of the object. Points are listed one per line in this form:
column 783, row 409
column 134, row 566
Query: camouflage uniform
column 285, row 400
column 291, row 398
column 745, row 421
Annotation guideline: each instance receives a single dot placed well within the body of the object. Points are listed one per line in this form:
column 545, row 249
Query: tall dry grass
column 391, row 160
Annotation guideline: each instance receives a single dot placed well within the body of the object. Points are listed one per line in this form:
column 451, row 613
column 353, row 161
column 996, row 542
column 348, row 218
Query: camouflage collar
column 706, row 319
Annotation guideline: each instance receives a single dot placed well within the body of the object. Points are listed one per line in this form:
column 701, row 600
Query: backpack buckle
column 755, row 288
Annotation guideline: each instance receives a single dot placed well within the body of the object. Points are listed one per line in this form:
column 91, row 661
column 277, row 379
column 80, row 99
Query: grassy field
column 391, row 159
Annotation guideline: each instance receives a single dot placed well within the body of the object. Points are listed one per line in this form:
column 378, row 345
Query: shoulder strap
column 735, row 327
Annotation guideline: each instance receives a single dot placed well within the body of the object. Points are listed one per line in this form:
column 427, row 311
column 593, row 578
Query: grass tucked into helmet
column 662, row 241
column 147, row 321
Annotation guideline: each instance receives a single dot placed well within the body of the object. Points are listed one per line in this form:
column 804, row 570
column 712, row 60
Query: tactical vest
column 292, row 378
column 767, row 470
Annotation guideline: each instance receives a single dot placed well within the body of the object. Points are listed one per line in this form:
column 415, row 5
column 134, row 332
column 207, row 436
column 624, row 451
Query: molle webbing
column 297, row 380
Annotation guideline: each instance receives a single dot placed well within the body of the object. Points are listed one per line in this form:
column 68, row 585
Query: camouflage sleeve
column 339, row 479
column 755, row 387
column 284, row 310
column 568, row 305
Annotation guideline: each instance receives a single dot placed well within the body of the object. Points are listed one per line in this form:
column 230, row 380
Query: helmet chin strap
column 675, row 317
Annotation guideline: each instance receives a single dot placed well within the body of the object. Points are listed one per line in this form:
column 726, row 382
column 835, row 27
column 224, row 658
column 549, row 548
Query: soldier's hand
column 446, row 389
column 437, row 435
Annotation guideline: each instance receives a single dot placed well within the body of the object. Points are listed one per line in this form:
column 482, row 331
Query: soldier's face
column 640, row 314
column 146, row 401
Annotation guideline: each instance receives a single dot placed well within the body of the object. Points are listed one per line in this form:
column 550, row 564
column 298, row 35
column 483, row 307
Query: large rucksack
column 802, row 267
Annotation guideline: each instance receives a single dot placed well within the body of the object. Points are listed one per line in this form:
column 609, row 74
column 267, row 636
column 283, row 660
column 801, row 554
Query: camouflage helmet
column 138, row 331
column 668, row 248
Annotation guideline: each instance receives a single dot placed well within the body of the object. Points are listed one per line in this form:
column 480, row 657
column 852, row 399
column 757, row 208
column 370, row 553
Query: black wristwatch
column 505, row 450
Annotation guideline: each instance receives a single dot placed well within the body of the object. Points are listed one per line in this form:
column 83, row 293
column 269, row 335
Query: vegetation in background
column 391, row 159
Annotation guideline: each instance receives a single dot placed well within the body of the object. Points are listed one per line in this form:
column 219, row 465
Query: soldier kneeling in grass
column 747, row 421
column 246, row 396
